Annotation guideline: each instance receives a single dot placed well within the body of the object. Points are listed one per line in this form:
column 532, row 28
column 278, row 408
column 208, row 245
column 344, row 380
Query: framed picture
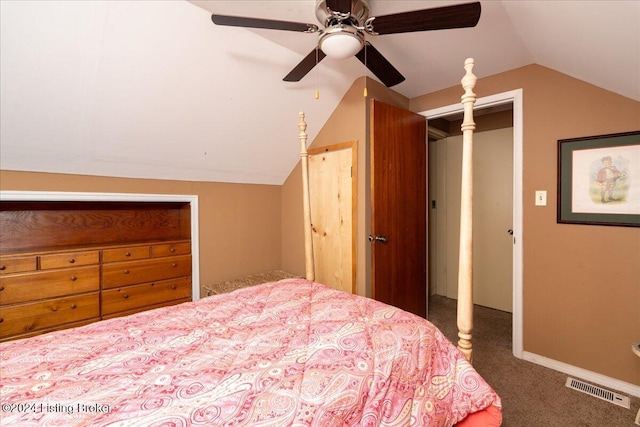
column 599, row 180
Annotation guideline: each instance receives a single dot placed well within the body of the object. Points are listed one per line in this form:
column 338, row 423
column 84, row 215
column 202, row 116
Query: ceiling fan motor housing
column 358, row 16
column 342, row 36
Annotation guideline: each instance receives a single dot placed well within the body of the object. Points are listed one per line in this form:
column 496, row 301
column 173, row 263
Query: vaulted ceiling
column 153, row 89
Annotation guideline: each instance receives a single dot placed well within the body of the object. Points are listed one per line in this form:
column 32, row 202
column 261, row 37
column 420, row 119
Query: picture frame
column 599, row 180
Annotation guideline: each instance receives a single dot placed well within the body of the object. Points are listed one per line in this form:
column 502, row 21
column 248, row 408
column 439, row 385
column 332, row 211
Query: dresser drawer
column 25, row 318
column 119, row 274
column 69, row 259
column 125, row 254
column 136, row 296
column 169, row 249
column 18, row 264
column 48, row 284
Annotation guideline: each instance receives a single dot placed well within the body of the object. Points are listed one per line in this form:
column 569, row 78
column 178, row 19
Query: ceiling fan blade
column 269, row 24
column 306, row 65
column 343, row 6
column 439, row 18
column 379, row 65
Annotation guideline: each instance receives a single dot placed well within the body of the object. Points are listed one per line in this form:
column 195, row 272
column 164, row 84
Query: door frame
column 513, row 97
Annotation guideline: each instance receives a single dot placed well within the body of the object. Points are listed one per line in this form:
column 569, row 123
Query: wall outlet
column 541, row 198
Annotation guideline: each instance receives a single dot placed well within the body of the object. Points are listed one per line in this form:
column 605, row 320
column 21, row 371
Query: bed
column 286, row 353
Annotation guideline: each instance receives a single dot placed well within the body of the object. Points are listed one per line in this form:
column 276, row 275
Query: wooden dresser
column 68, row 264
column 140, row 277
column 41, row 292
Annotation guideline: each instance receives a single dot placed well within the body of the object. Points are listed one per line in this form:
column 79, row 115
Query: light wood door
column 398, row 207
column 332, row 199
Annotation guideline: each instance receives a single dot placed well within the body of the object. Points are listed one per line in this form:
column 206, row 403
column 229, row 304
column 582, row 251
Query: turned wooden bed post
column 308, row 237
column 465, row 269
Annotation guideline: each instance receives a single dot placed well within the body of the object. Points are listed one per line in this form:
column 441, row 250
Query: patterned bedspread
column 288, row 353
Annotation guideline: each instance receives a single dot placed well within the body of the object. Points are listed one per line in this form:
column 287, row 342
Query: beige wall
column 580, row 304
column 240, row 224
column 292, row 224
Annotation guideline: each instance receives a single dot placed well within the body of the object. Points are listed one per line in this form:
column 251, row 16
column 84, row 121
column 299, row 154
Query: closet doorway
column 332, row 186
column 492, row 216
column 513, row 99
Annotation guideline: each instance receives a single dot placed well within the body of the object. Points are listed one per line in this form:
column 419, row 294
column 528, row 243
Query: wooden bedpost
column 465, row 269
column 308, row 237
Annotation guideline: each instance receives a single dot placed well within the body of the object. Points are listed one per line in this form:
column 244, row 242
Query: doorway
column 513, row 98
column 492, row 212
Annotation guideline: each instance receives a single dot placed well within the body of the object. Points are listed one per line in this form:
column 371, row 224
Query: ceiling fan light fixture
column 341, row 42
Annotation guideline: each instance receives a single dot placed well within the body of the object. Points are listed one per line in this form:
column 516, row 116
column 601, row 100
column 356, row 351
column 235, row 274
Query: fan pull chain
column 317, row 91
column 366, row 92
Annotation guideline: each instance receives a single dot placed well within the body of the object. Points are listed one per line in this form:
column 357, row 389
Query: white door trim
column 512, row 97
column 125, row 197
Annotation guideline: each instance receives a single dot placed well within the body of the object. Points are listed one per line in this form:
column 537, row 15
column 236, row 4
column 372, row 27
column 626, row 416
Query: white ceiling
column 153, row 89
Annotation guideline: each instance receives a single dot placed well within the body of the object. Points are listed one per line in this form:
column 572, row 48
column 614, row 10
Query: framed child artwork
column 599, row 180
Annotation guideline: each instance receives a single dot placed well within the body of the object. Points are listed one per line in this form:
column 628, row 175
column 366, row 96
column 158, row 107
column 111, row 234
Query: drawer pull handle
column 54, row 308
column 1, row 320
column 74, row 278
column 172, row 250
column 173, row 286
column 73, row 306
column 1, row 288
column 126, row 272
column 174, row 265
column 3, row 267
column 127, row 254
column 125, row 296
column 72, row 260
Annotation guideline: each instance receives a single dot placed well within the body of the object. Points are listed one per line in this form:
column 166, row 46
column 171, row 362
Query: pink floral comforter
column 288, row 353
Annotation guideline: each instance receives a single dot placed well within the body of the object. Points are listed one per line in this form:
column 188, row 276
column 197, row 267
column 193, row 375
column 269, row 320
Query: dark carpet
column 531, row 395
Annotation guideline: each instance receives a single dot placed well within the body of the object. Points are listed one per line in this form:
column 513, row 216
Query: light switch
column 541, row 198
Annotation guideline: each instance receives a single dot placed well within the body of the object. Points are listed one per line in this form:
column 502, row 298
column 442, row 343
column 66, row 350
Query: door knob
column 510, row 231
column 378, row 238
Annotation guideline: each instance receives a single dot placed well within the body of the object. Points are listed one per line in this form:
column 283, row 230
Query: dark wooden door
column 398, row 207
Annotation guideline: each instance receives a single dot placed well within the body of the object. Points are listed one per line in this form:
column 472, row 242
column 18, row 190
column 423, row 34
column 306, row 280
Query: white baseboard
column 584, row 374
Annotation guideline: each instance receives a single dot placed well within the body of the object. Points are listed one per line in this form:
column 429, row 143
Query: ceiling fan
column 345, row 23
